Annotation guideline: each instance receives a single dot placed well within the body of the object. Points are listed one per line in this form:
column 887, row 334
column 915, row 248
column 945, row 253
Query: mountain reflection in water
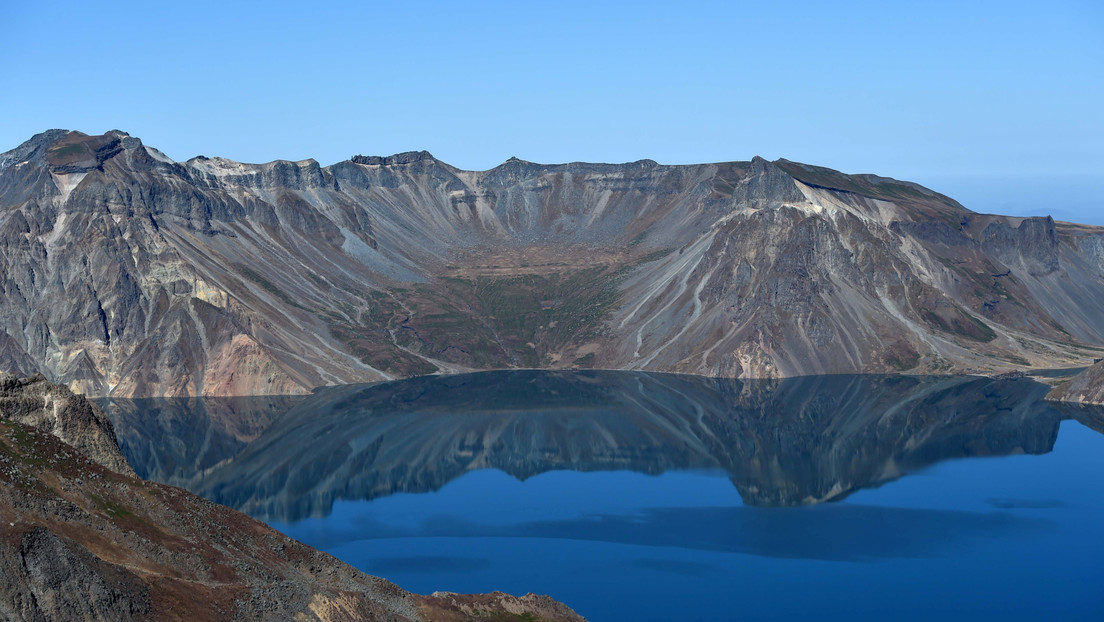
column 782, row 442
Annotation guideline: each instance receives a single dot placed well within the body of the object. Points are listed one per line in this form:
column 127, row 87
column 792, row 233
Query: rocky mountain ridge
column 125, row 273
column 37, row 403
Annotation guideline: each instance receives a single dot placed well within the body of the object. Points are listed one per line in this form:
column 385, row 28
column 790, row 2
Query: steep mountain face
column 125, row 273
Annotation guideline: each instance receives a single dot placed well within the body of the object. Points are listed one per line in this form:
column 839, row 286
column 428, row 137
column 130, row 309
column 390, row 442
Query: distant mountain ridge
column 125, row 273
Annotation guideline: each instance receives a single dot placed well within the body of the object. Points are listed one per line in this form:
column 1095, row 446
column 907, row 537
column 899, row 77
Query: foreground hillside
column 70, row 417
column 125, row 273
column 79, row 541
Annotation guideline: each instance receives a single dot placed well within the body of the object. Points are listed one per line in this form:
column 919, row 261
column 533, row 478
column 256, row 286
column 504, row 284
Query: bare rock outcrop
column 1086, row 387
column 58, row 579
column 447, row 606
column 69, row 416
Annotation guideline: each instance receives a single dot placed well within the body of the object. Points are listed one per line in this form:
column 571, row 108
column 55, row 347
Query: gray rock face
column 55, row 579
column 124, row 273
column 1084, row 388
column 71, row 417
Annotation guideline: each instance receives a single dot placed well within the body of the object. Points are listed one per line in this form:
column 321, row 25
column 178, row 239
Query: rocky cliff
column 123, row 272
column 80, row 541
column 70, row 417
column 1086, row 387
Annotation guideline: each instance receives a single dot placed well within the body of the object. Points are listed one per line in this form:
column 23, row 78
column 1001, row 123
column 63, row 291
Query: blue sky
column 996, row 103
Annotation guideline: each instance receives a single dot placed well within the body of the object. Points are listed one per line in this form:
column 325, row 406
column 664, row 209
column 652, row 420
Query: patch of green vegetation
column 650, row 257
column 529, row 356
column 823, row 177
column 483, row 321
column 582, row 314
column 878, row 188
column 940, row 365
column 898, row 190
column 379, row 294
column 26, row 450
column 984, row 333
column 494, row 321
column 723, row 186
column 110, row 507
column 68, row 150
column 319, row 281
column 27, row 444
column 958, row 322
column 373, row 346
column 999, row 289
column 267, row 285
column 378, row 311
column 587, row 361
column 901, row 356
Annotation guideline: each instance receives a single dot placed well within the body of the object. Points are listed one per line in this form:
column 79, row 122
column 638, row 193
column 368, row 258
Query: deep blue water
column 970, row 500
column 1016, row 537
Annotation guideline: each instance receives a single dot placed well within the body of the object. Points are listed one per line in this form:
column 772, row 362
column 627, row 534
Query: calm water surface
column 636, row 496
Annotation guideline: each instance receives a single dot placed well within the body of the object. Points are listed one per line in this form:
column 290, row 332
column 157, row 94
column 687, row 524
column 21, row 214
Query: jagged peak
column 220, row 159
column 68, row 151
column 514, row 161
column 406, row 157
column 65, row 151
column 225, row 166
column 56, row 139
column 33, row 148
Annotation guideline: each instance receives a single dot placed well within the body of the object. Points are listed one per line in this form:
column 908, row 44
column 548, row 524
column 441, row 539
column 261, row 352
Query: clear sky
column 998, row 104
